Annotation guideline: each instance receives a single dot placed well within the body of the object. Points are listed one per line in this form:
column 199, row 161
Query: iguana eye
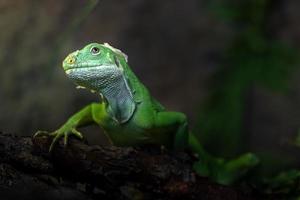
column 95, row 50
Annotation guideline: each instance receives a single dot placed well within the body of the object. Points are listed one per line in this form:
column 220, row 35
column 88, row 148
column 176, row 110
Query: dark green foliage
column 253, row 58
column 285, row 183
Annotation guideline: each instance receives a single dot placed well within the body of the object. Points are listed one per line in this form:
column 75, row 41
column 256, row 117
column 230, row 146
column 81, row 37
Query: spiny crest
column 117, row 51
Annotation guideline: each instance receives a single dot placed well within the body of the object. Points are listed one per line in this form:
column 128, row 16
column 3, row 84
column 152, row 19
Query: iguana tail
column 222, row 171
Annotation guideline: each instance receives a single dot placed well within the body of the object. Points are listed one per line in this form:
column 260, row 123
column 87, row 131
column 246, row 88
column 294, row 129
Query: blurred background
column 232, row 66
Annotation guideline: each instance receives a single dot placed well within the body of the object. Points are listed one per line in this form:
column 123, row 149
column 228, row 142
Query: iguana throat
column 110, row 82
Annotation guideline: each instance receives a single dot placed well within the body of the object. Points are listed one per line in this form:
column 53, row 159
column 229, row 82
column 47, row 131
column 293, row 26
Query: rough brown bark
column 80, row 171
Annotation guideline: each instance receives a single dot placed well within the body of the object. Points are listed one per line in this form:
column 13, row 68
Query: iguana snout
column 70, row 59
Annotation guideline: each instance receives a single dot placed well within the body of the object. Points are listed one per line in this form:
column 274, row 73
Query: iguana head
column 101, row 68
column 94, row 66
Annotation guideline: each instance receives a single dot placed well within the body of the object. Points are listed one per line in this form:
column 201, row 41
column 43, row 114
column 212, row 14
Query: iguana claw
column 57, row 135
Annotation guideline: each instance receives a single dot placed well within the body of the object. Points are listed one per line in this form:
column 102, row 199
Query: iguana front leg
column 84, row 117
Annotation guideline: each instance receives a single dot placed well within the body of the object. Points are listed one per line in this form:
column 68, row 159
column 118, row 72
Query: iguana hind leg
column 175, row 125
column 222, row 171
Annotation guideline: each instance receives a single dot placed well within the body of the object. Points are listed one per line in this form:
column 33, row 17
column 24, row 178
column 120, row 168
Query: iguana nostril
column 71, row 60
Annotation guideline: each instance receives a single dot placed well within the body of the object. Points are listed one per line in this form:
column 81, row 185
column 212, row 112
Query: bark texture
column 80, row 171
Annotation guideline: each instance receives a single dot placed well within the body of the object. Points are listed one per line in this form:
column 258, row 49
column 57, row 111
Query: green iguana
column 130, row 116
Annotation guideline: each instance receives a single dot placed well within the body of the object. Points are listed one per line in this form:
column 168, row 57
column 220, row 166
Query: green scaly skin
column 130, row 116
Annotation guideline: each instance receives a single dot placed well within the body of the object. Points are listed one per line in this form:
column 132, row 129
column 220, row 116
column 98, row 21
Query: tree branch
column 81, row 171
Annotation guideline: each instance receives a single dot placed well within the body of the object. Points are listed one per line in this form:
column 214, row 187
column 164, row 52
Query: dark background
column 231, row 66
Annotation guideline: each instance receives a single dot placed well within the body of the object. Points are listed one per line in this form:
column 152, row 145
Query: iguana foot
column 58, row 134
column 227, row 172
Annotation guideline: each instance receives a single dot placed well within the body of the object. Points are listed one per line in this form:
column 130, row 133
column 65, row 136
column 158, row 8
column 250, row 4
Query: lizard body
column 130, row 116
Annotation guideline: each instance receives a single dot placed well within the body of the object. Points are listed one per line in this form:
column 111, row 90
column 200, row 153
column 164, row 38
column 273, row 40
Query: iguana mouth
column 77, row 68
column 81, row 67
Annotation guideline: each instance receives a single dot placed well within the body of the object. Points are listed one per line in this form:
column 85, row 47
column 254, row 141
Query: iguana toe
column 57, row 135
